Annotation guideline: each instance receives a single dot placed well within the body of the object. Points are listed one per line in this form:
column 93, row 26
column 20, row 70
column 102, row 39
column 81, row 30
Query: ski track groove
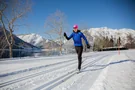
column 30, row 76
column 67, row 76
column 34, row 68
column 35, row 75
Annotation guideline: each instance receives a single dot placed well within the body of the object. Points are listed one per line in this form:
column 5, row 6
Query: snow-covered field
column 100, row 71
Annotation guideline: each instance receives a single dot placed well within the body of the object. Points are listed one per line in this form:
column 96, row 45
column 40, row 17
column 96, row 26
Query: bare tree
column 10, row 13
column 102, row 42
column 118, row 41
column 55, row 25
column 111, row 42
column 3, row 45
column 97, row 44
column 130, row 41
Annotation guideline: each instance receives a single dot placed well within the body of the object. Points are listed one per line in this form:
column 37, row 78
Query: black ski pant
column 79, row 50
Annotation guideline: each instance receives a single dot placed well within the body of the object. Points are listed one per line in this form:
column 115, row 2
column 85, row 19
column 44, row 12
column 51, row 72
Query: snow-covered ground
column 100, row 71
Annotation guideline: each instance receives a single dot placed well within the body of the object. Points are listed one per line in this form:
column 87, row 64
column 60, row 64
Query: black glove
column 88, row 46
column 65, row 34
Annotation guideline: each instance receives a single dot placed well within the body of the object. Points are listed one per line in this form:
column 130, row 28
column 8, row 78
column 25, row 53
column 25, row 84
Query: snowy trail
column 8, row 82
column 57, row 73
column 67, row 76
column 81, row 81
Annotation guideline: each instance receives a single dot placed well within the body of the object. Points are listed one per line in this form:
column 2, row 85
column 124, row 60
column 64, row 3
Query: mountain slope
column 33, row 39
column 115, row 33
column 18, row 42
column 38, row 41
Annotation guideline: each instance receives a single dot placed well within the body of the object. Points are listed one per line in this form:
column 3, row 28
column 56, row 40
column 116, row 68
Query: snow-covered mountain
column 115, row 33
column 91, row 34
column 38, row 40
column 19, row 43
column 33, row 39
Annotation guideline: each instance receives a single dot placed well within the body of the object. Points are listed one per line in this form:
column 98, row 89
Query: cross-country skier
column 77, row 35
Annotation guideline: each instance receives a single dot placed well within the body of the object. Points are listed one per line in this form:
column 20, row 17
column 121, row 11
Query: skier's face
column 75, row 29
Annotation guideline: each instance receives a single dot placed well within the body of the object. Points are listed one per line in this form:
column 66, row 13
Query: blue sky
column 114, row 14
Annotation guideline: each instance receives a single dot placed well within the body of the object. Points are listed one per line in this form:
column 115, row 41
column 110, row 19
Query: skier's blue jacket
column 77, row 38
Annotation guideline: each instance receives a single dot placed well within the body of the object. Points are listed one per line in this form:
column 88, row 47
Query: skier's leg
column 77, row 51
column 80, row 57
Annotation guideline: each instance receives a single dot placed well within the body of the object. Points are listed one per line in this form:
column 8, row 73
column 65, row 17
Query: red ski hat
column 75, row 26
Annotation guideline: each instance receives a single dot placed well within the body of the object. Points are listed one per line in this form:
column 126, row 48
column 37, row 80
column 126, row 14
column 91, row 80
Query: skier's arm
column 86, row 41
column 68, row 38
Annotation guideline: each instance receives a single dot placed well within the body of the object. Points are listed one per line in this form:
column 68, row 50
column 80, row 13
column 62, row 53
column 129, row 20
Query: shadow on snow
column 99, row 67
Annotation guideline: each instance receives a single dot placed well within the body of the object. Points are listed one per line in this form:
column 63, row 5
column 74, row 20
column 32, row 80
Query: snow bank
column 119, row 74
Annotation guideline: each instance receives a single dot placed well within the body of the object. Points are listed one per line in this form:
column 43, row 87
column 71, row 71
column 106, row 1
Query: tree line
column 102, row 42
